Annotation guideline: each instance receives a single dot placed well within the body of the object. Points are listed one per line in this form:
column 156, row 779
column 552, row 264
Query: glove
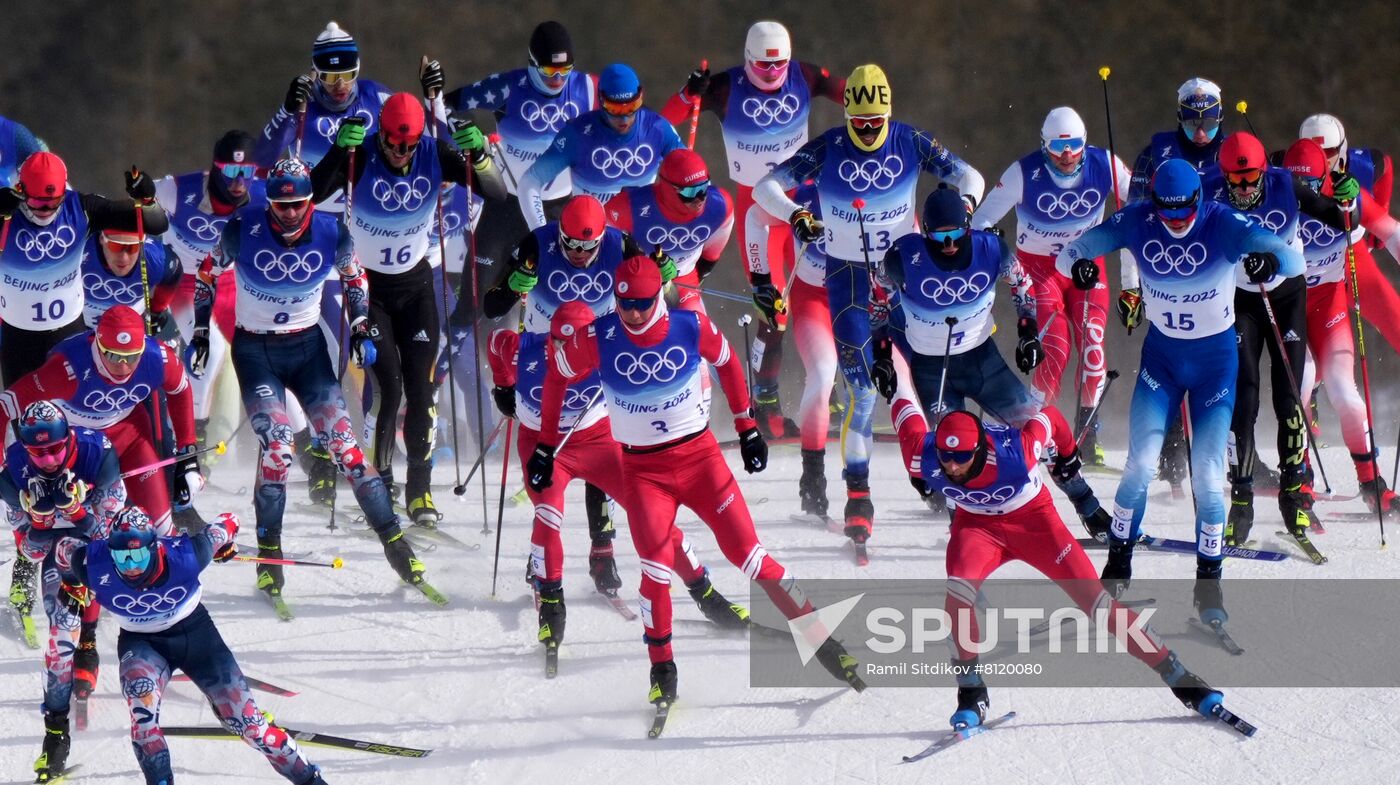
column 1084, row 273
column 1345, row 187
column 139, row 185
column 805, row 226
column 431, row 79
column 229, row 523
column 298, row 94
column 1130, row 308
column 696, row 83
column 1260, row 267
column 75, row 597
column 197, row 355
column 879, row 310
column 37, row 503
column 766, row 297
column 539, row 470
column 523, row 279
column 1028, row 351
column 163, row 323
column 470, row 139
column 883, row 373
column 188, row 479
column 665, row 264
column 351, row 133
column 1064, row 468
column 753, row 450
column 68, row 495
column 363, row 337
column 505, row 399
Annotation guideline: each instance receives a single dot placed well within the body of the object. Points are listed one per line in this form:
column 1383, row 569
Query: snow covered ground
column 376, row 661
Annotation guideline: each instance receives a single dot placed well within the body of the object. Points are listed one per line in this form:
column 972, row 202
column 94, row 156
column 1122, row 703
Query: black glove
column 753, row 450
column 364, row 343
column 68, row 495
column 75, row 597
column 197, row 355
column 883, row 373
column 1064, row 468
column 431, row 79
column 1028, row 351
column 805, row 226
column 505, row 399
column 1084, row 273
column 1260, row 267
column 696, row 83
column 187, row 474
column 298, row 94
column 139, row 185
column 163, row 324
column 765, row 296
column 539, row 470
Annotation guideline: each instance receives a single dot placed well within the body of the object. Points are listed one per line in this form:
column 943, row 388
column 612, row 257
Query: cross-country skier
column 1186, row 249
column 970, row 461
column 151, row 584
column 60, row 482
column 1058, row 192
column 394, row 212
column 118, row 267
column 875, row 160
column 604, row 150
column 1273, row 198
column 519, row 362
column 682, row 215
column 16, row 144
column 648, row 360
column 762, row 106
column 283, row 255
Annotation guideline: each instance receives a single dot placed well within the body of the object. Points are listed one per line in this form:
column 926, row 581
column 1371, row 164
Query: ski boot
column 972, row 696
column 85, row 662
column 315, row 777
column 1374, row 491
column 551, row 614
column 53, row 758
column 1118, row 570
column 1089, row 446
column 1188, row 688
column 1065, row 472
column 602, row 568
column 188, row 520
column 1172, row 466
column 811, row 487
column 320, row 474
column 860, row 511
column 1207, row 595
column 833, row 656
column 22, row 584
column 269, row 576
column 769, row 414
column 402, row 558
column 1295, row 502
column 422, row 511
column 663, row 682
column 1241, row 518
column 726, row 614
column 1098, row 523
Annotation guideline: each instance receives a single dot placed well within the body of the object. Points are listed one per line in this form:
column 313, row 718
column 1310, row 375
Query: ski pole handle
column 219, row 448
column 695, row 111
column 333, row 564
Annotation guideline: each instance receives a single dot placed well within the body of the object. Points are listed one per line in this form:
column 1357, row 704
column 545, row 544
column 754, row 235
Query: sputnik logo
column 811, row 630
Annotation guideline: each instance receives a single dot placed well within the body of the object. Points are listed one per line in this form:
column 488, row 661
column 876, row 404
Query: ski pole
column 141, row 255
column 333, row 564
column 1243, row 108
column 721, row 294
column 500, row 508
column 495, row 140
column 695, row 111
column 598, row 396
column 748, row 348
column 301, row 130
column 1365, row 371
column 219, row 448
column 341, row 323
column 1293, row 383
column 951, row 322
column 1094, row 413
column 462, row 489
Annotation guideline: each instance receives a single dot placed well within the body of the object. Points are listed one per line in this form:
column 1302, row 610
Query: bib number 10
column 51, row 311
column 404, row 255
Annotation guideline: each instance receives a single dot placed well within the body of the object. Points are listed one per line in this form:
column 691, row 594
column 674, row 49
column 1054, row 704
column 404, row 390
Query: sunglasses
column 1062, row 146
column 867, row 123
column 38, row 203
column 47, row 450
column 288, row 207
column 235, row 171
column 572, row 244
column 122, row 358
column 402, row 145
column 337, row 77
column 131, row 559
column 956, row 456
column 770, row 65
column 1315, row 183
column 945, row 237
column 622, row 108
column 635, row 303
column 1176, row 213
column 555, row 71
column 1243, row 179
column 1207, row 124
column 693, row 193
column 1332, row 152
column 115, row 246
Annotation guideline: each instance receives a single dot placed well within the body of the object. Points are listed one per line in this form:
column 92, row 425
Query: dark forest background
column 155, row 83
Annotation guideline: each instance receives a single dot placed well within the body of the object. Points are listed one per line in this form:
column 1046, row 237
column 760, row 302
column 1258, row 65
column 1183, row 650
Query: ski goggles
column 1208, row 124
column 131, row 560
column 769, row 66
column 625, row 108
column 956, row 456
column 122, row 358
column 574, row 244
column 337, row 77
column 235, row 171
column 289, row 206
column 1246, row 178
column 1062, row 146
column 693, row 193
column 1176, row 213
column 43, row 203
column 635, row 303
column 400, row 145
column 867, row 123
column 114, row 245
column 555, row 71
column 1315, row 183
column 54, row 450
column 948, row 236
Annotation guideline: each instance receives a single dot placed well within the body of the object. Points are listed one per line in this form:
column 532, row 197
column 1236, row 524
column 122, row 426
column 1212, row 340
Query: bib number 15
column 1179, row 321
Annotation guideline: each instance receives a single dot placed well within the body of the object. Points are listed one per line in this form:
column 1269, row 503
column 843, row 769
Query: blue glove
column 363, row 336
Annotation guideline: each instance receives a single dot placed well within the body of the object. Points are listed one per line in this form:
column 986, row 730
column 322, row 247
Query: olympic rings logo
column 1273, row 220
column 547, row 117
column 110, row 290
column 575, row 399
column 288, row 265
column 871, row 173
column 981, row 498
column 44, row 244
column 650, row 365
column 615, row 163
column 955, row 288
column 679, row 238
column 579, row 286
column 401, row 195
column 1168, row 259
column 206, row 229
column 1069, row 203
column 770, row 111
column 117, row 400
column 1316, row 233
column 330, row 126
column 148, row 603
column 451, row 222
